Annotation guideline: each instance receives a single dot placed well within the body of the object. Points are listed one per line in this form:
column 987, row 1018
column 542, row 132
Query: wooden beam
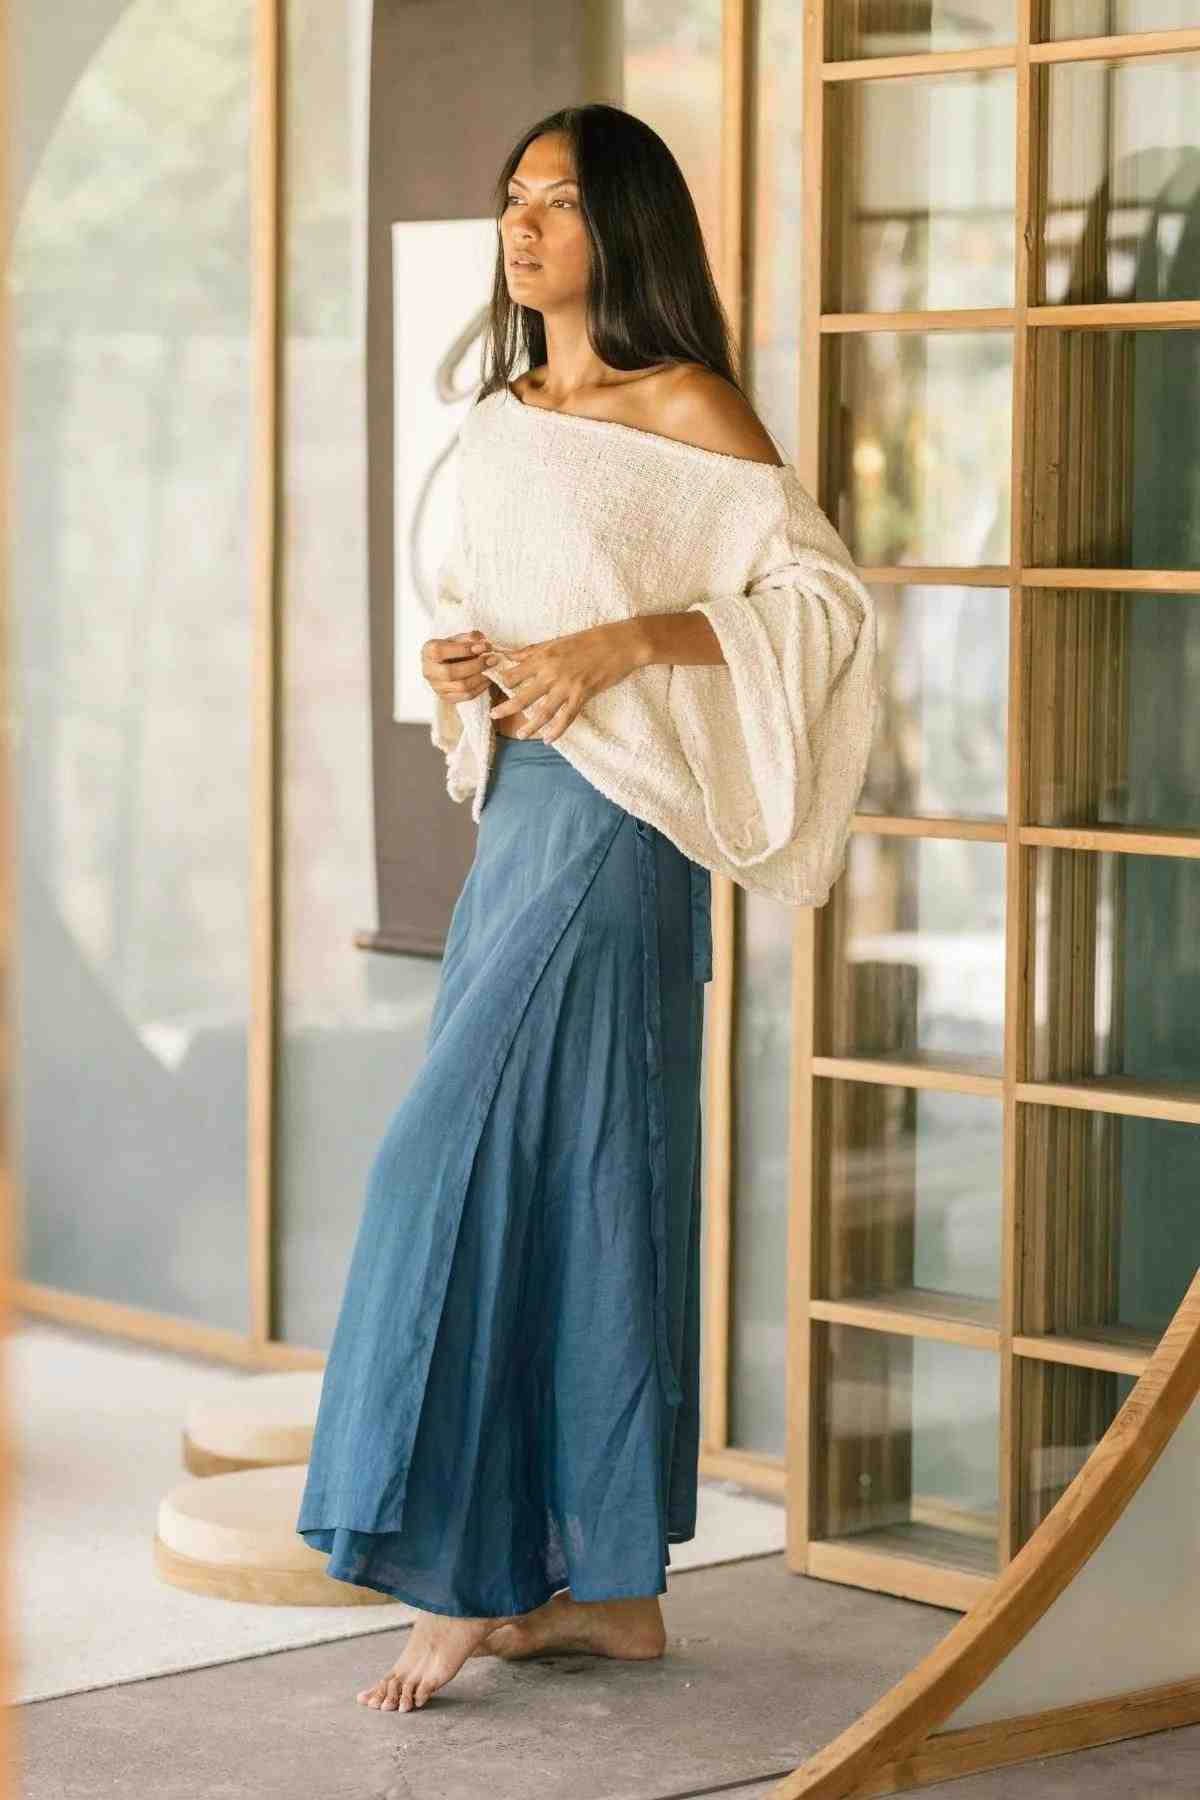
column 899, row 1725
column 263, row 848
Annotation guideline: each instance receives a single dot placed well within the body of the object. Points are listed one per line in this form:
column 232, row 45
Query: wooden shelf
column 991, row 575
column 918, row 1312
column 967, row 318
column 1131, row 581
column 1118, row 315
column 930, row 825
column 1117, row 1348
column 916, row 1561
column 1117, row 48
column 1178, row 1100
column 924, row 1069
column 1123, row 840
column 1030, row 575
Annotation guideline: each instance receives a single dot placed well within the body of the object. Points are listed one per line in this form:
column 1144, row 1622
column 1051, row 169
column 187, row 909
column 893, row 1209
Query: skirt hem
column 515, row 1611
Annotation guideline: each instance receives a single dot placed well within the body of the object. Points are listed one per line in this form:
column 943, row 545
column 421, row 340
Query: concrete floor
column 762, row 1668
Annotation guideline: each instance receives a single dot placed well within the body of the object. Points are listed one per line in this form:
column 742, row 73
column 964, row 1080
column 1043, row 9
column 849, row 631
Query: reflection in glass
column 910, row 1429
column 352, row 1025
column 671, row 77
column 943, row 661
column 924, row 477
column 913, row 952
column 1123, row 181
column 1115, row 442
column 913, row 1198
column 1116, row 978
column 777, row 223
column 762, row 1038
column 1111, row 1220
column 761, row 1174
column 897, row 28
column 130, row 273
column 1115, row 733
column 917, row 224
column 1113, row 18
column 671, row 72
column 1066, row 1411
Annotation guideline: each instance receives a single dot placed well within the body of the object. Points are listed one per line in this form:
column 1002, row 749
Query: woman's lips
column 523, row 268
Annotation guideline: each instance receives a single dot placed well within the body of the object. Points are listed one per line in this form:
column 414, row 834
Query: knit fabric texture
column 753, row 767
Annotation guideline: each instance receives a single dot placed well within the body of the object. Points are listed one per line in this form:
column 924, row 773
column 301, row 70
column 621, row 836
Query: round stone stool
column 234, row 1537
column 252, row 1422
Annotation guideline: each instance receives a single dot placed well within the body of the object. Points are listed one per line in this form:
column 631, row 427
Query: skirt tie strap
column 655, row 1102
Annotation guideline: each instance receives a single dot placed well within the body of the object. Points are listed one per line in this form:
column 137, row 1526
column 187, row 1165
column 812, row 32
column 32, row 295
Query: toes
column 423, row 1690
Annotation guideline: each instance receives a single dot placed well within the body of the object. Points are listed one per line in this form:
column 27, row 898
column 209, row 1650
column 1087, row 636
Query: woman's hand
column 453, row 666
column 553, row 678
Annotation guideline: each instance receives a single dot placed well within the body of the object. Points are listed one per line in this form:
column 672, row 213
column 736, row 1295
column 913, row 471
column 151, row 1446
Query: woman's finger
column 527, row 691
column 454, row 669
column 557, row 723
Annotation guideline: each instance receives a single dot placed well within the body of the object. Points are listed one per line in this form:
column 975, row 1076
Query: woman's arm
column 683, row 637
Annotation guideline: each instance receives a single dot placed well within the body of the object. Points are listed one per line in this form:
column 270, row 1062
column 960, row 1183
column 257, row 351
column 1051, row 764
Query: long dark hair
column 651, row 294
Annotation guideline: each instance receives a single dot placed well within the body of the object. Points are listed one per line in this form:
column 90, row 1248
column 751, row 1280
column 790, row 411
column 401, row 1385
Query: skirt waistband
column 531, row 749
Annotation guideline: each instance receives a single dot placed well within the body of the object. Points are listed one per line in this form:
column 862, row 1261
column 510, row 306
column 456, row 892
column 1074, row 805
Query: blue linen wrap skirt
column 511, row 1400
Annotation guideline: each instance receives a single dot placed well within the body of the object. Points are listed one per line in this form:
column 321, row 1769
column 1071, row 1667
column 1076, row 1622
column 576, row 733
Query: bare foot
column 632, row 1628
column 437, row 1648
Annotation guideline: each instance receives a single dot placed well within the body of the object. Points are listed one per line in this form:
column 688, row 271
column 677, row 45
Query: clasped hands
column 550, row 679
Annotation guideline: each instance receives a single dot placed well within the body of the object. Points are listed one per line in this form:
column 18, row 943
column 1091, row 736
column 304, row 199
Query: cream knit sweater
column 753, row 767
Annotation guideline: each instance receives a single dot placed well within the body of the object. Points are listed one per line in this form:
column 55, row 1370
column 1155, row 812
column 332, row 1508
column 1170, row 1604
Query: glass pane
column 912, row 1196
column 671, row 74
column 925, row 475
column 912, row 222
column 352, row 1025
column 897, row 28
column 1112, row 1228
column 1064, row 1413
column 940, row 746
column 762, row 1039
column 912, row 948
column 1123, row 180
column 910, row 1429
column 777, row 223
column 1115, row 465
column 130, row 296
column 1115, row 734
column 1116, row 981
column 761, row 1172
column 1112, row 18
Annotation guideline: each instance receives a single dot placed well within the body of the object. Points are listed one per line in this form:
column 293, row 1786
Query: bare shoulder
column 704, row 409
column 527, row 379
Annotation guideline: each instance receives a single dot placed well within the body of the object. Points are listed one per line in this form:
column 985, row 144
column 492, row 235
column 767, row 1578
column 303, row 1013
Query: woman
column 652, row 659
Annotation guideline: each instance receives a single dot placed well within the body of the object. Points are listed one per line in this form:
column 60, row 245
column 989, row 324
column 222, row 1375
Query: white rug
column 99, row 1427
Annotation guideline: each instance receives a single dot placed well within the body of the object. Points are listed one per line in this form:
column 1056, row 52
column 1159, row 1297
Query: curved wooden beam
column 1084, row 1514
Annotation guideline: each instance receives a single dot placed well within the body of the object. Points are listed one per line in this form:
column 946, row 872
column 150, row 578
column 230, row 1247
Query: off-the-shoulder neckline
column 646, row 437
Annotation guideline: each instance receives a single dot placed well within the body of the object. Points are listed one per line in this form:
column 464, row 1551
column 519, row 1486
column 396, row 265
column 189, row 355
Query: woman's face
column 542, row 222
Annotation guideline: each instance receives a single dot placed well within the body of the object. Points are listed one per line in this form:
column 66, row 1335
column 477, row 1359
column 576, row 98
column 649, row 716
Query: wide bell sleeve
column 777, row 738
column 452, row 588
column 454, row 728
